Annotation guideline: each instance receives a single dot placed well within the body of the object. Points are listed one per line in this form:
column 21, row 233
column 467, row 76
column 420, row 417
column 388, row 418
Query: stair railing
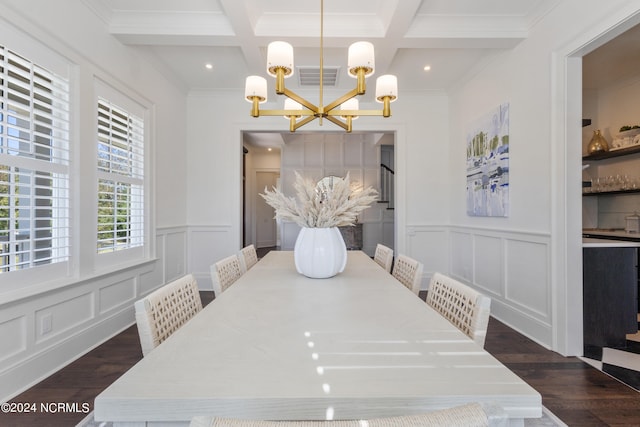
column 386, row 185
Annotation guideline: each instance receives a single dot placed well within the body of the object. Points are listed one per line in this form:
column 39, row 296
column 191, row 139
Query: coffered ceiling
column 452, row 37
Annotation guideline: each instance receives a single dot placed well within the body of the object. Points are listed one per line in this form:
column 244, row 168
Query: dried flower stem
column 318, row 206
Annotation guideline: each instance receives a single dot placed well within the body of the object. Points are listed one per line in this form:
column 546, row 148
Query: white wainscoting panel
column 116, row 295
column 206, row 246
column 175, row 254
column 65, row 315
column 428, row 244
column 313, row 154
column 488, row 264
column 527, row 281
column 462, row 256
column 171, row 256
column 289, row 232
column 372, row 234
column 44, row 332
column 14, row 339
column 333, row 153
column 512, row 268
column 353, row 154
column 295, row 155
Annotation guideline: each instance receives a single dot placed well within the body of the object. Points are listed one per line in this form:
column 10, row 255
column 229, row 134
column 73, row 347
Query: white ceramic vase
column 320, row 253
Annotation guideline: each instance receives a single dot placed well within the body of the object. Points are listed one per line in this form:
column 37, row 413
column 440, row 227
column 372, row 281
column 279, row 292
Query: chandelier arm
column 290, row 94
column 355, row 113
column 341, row 100
column 337, row 121
column 286, row 113
column 303, row 122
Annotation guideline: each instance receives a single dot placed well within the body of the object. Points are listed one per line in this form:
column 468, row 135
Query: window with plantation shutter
column 120, row 178
column 34, row 164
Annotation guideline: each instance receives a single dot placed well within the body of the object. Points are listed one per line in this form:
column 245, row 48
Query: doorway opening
column 573, row 103
column 272, row 159
column 608, row 107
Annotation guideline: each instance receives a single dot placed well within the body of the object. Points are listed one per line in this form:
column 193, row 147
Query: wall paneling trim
column 44, row 332
column 511, row 267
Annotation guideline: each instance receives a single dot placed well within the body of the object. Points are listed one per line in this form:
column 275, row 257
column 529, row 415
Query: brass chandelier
column 298, row 110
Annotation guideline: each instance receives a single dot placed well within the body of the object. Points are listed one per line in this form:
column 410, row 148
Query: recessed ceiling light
column 208, row 66
column 269, row 149
column 427, row 67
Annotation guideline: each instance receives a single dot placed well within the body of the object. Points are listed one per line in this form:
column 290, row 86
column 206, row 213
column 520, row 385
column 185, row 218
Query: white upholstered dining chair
column 384, row 257
column 165, row 310
column 466, row 308
column 248, row 257
column 408, row 271
column 469, row 415
column 224, row 273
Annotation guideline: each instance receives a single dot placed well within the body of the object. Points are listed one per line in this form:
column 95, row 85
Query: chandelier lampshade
column 299, row 111
column 361, row 56
column 255, row 91
column 280, row 56
column 289, row 105
column 386, row 92
column 256, row 86
column 350, row 104
column 386, row 86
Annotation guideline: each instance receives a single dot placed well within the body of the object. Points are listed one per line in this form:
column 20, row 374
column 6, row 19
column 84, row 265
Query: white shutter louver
column 34, row 164
column 120, row 166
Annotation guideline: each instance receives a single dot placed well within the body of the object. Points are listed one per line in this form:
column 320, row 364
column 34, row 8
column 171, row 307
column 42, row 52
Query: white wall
column 92, row 304
column 530, row 262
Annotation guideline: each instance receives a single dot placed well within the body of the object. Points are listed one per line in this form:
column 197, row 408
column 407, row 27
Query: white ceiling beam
column 400, row 19
column 167, row 24
column 241, row 18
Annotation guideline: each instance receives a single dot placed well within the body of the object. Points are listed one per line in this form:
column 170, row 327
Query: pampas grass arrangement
column 321, row 205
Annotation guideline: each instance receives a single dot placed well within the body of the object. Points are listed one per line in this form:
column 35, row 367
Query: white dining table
column 278, row 345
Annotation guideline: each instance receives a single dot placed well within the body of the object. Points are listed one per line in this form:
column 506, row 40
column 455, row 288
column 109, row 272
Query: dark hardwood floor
column 577, row 393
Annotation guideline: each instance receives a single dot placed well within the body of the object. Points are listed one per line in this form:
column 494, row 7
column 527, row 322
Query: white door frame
column 254, row 195
column 566, row 191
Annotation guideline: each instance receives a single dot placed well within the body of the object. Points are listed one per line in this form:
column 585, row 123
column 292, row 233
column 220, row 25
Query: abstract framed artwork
column 488, row 164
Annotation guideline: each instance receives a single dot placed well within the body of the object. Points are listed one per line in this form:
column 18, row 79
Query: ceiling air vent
column 310, row 76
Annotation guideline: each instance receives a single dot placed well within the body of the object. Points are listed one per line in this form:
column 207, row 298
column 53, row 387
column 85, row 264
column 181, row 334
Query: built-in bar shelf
column 612, row 193
column 612, row 153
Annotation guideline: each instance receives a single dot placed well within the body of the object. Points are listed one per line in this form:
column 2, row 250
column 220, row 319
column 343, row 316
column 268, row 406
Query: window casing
column 34, row 164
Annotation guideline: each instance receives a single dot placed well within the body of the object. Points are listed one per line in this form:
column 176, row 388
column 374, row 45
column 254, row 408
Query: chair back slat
column 384, row 257
column 466, row 308
column 165, row 310
column 248, row 257
column 224, row 273
column 408, row 271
